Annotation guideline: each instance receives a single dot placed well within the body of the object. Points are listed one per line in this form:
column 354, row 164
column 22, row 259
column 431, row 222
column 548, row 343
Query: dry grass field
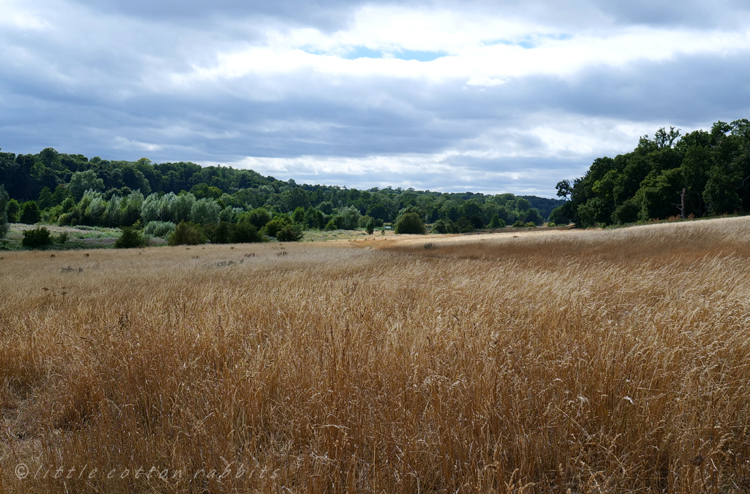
column 582, row 362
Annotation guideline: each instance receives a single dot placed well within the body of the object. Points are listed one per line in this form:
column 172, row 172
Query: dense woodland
column 65, row 189
column 713, row 169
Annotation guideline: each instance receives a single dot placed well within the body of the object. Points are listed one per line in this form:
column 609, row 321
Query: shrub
column 315, row 219
column 410, row 223
column 276, row 224
column 533, row 216
column 61, row 238
column 186, row 234
column 161, row 229
column 330, row 226
column 38, row 237
column 476, row 221
column 245, row 233
column 219, row 234
column 464, row 225
column 3, row 212
column 289, row 233
column 497, row 222
column 347, row 218
column 14, row 211
column 30, row 213
column 626, row 212
column 370, row 226
column 531, row 224
column 519, row 224
column 444, row 225
column 130, row 238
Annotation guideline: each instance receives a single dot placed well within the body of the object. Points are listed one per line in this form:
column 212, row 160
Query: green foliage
column 712, row 168
column 315, row 219
column 476, row 221
column 370, row 226
column 347, row 218
column 330, row 226
column 130, row 238
column 519, row 224
column 259, row 217
column 30, row 213
column 497, row 222
column 410, row 223
column 36, row 238
column 131, row 208
column 289, row 233
column 13, row 210
column 558, row 217
column 326, row 207
column 186, row 234
column 276, row 224
column 68, row 204
column 219, row 234
column 4, row 227
column 181, row 207
column 245, row 232
column 205, row 212
column 533, row 216
column 205, row 191
column 444, row 226
column 124, row 192
column 61, row 238
column 80, row 182
column 626, row 212
column 160, row 229
column 464, row 225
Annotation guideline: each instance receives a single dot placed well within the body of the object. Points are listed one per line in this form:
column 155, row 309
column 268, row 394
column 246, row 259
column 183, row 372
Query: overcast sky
column 487, row 96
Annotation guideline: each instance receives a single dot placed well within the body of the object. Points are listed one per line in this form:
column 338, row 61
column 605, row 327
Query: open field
column 595, row 361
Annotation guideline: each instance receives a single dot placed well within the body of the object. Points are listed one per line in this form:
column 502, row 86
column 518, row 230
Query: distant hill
column 73, row 189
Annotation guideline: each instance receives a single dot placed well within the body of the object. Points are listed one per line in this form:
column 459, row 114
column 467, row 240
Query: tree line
column 702, row 173
column 64, row 189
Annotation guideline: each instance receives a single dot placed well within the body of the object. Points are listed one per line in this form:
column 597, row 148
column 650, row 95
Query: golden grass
column 614, row 361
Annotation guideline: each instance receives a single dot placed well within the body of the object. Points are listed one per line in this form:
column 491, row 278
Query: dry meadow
column 582, row 361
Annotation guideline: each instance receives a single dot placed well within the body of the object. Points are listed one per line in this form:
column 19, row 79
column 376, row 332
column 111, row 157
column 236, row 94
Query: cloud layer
column 483, row 96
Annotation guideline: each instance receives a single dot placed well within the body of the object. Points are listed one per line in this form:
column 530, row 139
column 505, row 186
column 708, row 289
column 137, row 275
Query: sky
column 472, row 95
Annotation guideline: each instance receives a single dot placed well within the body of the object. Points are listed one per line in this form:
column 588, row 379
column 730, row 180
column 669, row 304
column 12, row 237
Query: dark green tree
column 30, row 213
column 14, row 210
column 4, row 227
column 410, row 223
column 131, row 237
column 245, row 232
column 186, row 234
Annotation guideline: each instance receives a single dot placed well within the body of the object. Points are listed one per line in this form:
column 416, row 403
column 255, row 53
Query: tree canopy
column 706, row 171
column 71, row 189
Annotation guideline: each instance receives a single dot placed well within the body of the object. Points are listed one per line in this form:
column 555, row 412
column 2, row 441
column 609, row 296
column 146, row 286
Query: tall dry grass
column 590, row 361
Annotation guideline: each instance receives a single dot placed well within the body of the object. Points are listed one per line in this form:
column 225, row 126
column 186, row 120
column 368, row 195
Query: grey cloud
column 326, row 15
column 93, row 92
column 598, row 15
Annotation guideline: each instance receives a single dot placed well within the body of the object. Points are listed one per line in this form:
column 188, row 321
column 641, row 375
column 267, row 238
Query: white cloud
column 509, row 95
